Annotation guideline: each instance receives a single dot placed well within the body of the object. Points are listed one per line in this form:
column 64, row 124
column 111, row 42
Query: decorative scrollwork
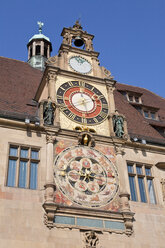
column 91, row 239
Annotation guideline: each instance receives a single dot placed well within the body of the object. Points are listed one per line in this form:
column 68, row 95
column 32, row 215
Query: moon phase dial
column 82, row 102
column 89, row 179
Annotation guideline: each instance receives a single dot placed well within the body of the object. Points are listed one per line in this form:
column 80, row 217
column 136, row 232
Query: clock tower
column 85, row 182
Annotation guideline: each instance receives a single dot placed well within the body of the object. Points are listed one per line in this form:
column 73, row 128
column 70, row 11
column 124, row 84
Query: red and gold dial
column 82, row 102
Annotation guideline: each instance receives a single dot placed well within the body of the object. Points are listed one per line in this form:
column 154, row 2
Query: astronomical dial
column 85, row 176
column 80, row 64
column 82, row 102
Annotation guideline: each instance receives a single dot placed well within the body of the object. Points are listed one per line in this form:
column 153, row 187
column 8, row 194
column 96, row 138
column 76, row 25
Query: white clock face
column 82, row 102
column 80, row 64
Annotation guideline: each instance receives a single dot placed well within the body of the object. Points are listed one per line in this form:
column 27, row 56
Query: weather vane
column 40, row 24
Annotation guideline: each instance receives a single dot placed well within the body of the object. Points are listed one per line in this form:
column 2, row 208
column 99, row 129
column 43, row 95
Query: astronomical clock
column 84, row 176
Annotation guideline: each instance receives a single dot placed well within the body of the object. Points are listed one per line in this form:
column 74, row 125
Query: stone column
column 111, row 105
column 34, row 49
column 124, row 195
column 49, row 186
column 42, row 48
column 110, row 89
column 120, row 163
column 48, row 51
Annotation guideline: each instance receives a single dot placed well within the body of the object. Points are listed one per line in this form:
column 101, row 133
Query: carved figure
column 48, row 113
column 118, row 124
column 89, row 45
column 91, row 240
column 67, row 39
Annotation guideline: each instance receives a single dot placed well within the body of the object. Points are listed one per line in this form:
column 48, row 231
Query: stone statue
column 67, row 39
column 91, row 240
column 48, row 113
column 118, row 125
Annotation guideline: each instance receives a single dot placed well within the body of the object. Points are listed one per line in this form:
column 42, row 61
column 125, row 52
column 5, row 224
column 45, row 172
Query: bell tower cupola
column 39, row 49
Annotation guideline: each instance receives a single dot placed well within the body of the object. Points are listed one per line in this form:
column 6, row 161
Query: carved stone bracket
column 50, row 209
column 124, row 201
column 49, row 192
column 127, row 214
column 119, row 150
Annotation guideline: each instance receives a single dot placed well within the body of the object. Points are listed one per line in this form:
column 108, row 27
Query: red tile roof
column 19, row 82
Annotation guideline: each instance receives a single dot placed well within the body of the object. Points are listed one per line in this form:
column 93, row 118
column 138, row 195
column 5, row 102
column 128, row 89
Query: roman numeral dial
column 82, row 102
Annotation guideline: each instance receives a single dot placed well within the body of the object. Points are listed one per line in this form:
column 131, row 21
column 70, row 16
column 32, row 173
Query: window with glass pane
column 139, row 170
column 130, row 98
column 142, row 189
column 148, row 171
column 132, row 188
column 23, row 167
column 153, row 115
column 141, row 183
column 151, row 191
column 130, row 168
column 13, row 151
column 33, row 175
column 136, row 99
column 11, row 173
column 146, row 114
column 22, row 174
column 24, row 153
column 34, row 154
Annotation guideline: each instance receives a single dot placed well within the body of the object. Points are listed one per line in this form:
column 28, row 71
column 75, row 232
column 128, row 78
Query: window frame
column 18, row 160
column 145, row 177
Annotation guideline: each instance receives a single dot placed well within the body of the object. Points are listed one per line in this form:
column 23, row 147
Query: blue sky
column 129, row 34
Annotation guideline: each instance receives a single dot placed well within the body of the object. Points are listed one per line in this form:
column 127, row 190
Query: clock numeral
column 81, row 84
column 59, row 97
column 62, row 88
column 70, row 84
column 103, row 115
column 71, row 115
column 95, row 120
column 104, row 105
column 92, row 88
column 63, row 107
column 101, row 97
column 84, row 120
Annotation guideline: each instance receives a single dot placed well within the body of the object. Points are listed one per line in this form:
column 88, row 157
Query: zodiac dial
column 82, row 102
column 86, row 176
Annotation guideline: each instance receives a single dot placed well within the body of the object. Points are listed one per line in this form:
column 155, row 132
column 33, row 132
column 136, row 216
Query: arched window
column 38, row 50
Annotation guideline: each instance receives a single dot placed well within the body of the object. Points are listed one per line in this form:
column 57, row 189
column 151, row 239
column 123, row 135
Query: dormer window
column 150, row 114
column 130, row 98
column 146, row 114
column 153, row 115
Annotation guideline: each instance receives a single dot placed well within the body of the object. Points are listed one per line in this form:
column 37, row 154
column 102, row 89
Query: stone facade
column 82, row 195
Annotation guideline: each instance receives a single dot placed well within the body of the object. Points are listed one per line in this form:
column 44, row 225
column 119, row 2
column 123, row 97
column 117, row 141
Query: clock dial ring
column 91, row 108
column 80, row 183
